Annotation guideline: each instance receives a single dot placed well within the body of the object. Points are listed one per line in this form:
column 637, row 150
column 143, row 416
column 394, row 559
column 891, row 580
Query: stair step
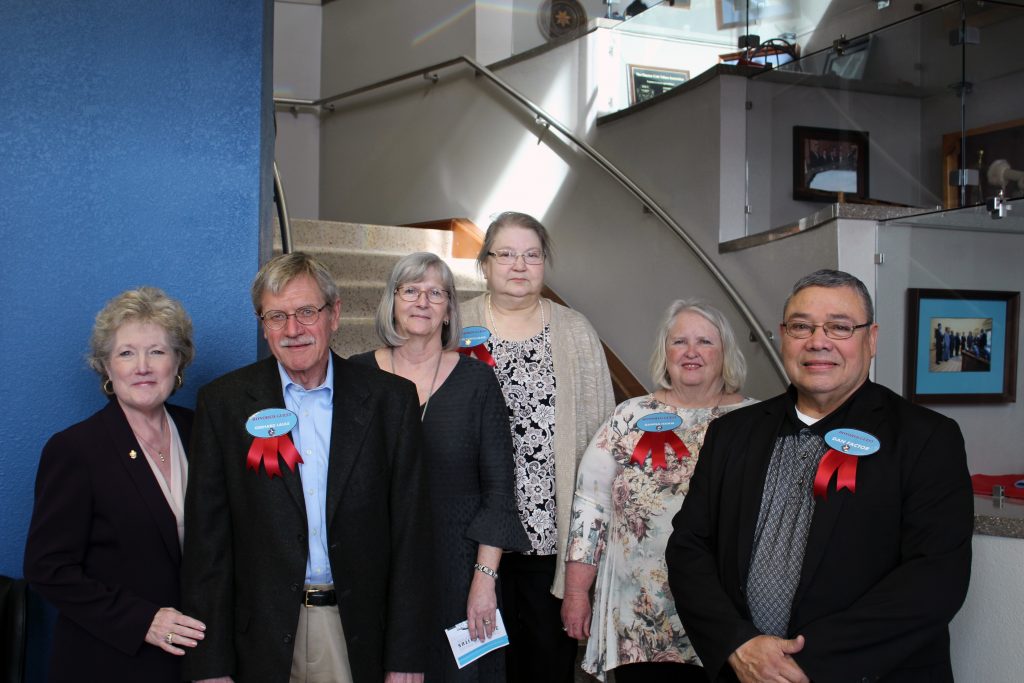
column 353, row 265
column 383, row 238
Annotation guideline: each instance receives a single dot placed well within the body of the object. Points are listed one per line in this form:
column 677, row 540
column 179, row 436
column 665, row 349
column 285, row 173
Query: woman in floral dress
column 631, row 482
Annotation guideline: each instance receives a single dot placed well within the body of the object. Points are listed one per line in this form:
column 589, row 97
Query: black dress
column 468, row 451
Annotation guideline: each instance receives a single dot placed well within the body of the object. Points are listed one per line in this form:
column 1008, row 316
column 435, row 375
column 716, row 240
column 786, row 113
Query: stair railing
column 282, row 212
column 543, row 117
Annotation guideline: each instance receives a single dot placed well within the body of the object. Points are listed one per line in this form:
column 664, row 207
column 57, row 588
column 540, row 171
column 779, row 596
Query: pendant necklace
column 433, row 382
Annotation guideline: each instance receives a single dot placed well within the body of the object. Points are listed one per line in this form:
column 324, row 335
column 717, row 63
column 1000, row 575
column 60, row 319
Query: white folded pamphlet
column 466, row 650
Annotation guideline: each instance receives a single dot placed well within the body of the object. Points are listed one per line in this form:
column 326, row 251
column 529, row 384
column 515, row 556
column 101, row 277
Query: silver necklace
column 433, row 382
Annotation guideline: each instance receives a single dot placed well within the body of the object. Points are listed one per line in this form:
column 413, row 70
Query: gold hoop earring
column 178, row 381
column 108, row 391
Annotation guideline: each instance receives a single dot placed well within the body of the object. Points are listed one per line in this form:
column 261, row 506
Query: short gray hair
column 510, row 219
column 409, row 270
column 276, row 273
column 734, row 365
column 832, row 279
column 142, row 305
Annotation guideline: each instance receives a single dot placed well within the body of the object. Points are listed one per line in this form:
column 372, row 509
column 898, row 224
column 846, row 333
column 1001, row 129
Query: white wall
column 297, row 29
column 986, row 635
column 364, row 42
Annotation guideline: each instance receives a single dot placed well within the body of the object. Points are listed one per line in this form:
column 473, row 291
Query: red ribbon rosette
column 267, row 450
column 270, row 428
column 657, row 434
column 844, row 466
column 846, row 446
column 472, row 343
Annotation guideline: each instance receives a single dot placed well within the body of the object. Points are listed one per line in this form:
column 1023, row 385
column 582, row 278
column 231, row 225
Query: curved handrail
column 595, row 156
column 282, row 212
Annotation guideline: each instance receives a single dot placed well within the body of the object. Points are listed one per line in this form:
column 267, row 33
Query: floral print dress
column 621, row 520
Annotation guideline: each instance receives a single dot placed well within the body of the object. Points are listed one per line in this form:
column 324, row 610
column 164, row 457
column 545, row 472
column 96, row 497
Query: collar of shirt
column 288, row 386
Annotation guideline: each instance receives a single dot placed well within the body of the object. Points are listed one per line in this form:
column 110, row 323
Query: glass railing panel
column 875, row 118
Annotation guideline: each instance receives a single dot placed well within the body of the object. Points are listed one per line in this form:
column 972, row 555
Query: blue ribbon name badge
column 659, row 422
column 852, row 441
column 271, row 422
column 474, row 336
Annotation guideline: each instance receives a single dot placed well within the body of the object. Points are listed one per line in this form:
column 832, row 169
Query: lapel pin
column 132, row 454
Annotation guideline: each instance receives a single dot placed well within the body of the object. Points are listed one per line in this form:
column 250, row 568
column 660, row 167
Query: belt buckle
column 305, row 598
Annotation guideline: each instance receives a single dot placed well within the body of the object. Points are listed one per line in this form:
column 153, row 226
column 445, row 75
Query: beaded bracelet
column 486, row 570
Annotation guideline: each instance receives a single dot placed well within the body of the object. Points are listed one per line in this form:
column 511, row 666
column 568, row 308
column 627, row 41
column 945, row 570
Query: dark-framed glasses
column 306, row 315
column 507, row 257
column 834, row 329
column 411, row 294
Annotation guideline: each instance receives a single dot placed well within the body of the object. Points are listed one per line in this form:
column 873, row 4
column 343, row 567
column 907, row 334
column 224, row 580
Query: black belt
column 319, row 598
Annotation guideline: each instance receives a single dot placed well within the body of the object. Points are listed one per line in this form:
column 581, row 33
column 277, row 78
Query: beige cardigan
column 580, row 365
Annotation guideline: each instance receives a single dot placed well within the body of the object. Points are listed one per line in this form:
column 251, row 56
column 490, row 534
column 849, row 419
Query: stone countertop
column 1005, row 518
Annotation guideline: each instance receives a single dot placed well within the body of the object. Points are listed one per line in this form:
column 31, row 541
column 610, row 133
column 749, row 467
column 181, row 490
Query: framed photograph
column 828, row 163
column 850, row 61
column 995, row 151
column 646, row 82
column 961, row 346
column 733, row 13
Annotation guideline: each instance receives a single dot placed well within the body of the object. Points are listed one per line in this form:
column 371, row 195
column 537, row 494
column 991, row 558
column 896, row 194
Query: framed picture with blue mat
column 961, row 346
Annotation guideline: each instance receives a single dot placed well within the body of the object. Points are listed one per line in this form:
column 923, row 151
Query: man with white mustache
column 827, row 532
column 306, row 520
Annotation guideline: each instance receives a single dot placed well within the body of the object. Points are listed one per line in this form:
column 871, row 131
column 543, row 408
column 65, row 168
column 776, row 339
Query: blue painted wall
column 135, row 143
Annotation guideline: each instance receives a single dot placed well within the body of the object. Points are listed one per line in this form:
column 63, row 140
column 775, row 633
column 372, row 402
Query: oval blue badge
column 1019, row 484
column 271, row 422
column 852, row 441
column 474, row 336
column 659, row 422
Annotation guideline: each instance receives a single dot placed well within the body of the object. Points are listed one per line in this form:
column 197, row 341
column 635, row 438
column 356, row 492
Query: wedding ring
column 169, row 638
column 487, row 622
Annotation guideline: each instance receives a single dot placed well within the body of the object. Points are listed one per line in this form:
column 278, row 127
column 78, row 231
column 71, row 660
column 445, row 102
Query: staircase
column 361, row 258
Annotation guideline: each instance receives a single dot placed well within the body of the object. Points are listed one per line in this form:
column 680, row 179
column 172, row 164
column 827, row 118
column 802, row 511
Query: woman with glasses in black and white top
column 553, row 373
column 467, row 448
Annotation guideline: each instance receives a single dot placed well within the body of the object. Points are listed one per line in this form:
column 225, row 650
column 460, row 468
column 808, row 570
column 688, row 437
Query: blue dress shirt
column 312, row 438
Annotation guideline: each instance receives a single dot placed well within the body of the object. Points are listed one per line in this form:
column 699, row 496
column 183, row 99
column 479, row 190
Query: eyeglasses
column 507, row 257
column 412, row 294
column 801, row 329
column 306, row 315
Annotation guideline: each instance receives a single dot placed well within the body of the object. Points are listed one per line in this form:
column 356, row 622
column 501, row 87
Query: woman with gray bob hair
column 413, row 268
column 624, row 504
column 467, row 446
column 104, row 544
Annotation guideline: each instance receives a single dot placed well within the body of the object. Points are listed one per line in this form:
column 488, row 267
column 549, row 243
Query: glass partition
column 923, row 113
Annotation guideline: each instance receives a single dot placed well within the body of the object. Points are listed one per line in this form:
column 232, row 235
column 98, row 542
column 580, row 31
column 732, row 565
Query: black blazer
column 103, row 548
column 886, row 568
column 246, row 547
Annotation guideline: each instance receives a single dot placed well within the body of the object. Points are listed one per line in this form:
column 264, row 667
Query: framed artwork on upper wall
column 734, row 13
column 961, row 346
column 646, row 82
column 828, row 163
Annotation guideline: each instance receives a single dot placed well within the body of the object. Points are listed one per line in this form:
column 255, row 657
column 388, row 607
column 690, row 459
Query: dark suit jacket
column 886, row 568
column 246, row 547
column 103, row 548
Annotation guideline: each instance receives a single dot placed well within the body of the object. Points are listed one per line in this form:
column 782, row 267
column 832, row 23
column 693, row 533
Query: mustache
column 297, row 341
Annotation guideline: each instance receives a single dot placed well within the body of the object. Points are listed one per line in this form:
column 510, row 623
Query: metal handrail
column 282, row 213
column 548, row 120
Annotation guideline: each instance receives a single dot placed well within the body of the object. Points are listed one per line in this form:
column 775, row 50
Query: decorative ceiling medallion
column 557, row 18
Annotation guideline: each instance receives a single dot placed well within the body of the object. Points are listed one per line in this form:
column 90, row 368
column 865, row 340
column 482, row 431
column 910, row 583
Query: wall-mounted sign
column 646, row 82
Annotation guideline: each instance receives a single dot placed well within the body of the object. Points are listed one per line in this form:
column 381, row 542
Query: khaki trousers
column 320, row 654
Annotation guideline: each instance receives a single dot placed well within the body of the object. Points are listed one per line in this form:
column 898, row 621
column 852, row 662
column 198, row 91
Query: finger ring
column 487, row 622
column 565, row 628
column 169, row 638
